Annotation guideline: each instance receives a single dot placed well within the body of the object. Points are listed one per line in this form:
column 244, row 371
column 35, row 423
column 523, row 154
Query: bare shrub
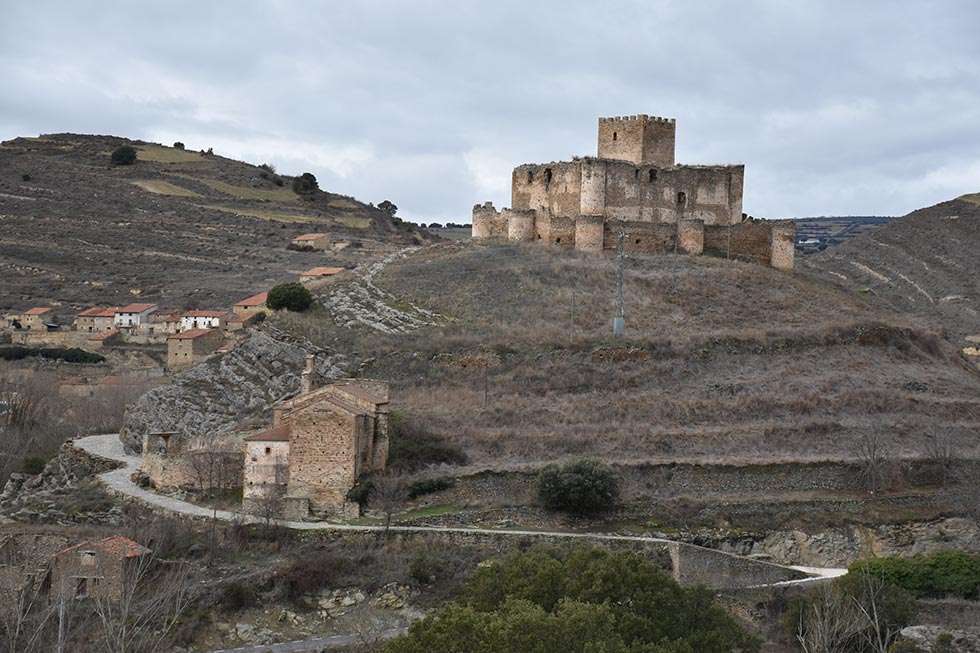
column 31, row 421
column 872, row 456
column 388, row 494
column 940, row 453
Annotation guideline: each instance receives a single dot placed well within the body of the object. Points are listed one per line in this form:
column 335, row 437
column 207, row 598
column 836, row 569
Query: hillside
column 924, row 263
column 180, row 228
column 505, row 351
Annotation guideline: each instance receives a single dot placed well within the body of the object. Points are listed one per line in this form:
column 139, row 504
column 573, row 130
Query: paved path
column 109, row 446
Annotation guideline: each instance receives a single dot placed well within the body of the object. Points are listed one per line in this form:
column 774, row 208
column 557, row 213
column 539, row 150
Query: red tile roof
column 135, row 308
column 99, row 311
column 114, row 545
column 205, row 313
column 310, row 236
column 191, row 334
column 254, row 300
column 278, row 433
column 39, row 310
column 321, row 272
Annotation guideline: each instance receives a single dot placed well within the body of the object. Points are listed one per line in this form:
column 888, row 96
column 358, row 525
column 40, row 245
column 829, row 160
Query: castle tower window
column 614, row 135
column 652, row 175
column 530, row 176
column 547, row 176
column 636, row 173
column 682, row 199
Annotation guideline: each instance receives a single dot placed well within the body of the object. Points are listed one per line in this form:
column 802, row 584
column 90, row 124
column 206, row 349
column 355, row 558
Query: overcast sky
column 834, row 107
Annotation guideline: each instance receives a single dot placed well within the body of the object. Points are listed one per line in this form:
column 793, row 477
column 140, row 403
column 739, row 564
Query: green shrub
column 581, row 487
column 411, row 447
column 25, row 177
column 124, row 155
column 428, row 486
column 588, row 601
column 178, row 145
column 304, row 184
column 361, row 492
column 33, row 465
column 936, row 575
column 290, row 296
column 268, row 167
column 73, row 355
column 424, row 569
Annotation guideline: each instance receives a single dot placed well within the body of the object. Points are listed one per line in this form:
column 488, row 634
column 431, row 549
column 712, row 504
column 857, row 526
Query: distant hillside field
column 926, row 263
column 178, row 227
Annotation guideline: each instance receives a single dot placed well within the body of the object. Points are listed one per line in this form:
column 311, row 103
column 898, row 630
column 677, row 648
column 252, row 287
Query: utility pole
column 619, row 322
column 486, row 383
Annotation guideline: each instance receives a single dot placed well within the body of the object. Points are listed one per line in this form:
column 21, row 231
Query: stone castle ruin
column 635, row 188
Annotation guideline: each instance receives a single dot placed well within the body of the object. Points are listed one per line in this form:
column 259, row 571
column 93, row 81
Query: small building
column 97, row 319
column 318, row 274
column 133, row 315
column 251, row 305
column 203, row 319
column 33, row 319
column 318, row 242
column 187, row 348
column 328, row 438
column 97, row 569
column 165, row 323
column 266, row 470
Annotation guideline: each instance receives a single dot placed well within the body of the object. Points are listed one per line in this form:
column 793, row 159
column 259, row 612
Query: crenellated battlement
column 642, row 117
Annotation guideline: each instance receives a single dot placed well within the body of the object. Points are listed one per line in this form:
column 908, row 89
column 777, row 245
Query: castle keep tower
column 643, row 140
column 634, row 186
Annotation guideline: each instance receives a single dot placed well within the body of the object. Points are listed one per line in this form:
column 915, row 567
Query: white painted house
column 133, row 315
column 203, row 320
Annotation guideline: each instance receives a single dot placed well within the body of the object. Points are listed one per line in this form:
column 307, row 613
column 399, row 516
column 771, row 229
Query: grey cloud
column 834, row 107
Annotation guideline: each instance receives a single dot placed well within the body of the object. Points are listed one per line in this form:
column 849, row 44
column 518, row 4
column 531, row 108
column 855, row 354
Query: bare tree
column 827, row 624
column 142, row 619
column 876, row 631
column 31, row 421
column 939, row 451
column 388, row 494
column 215, row 469
column 31, row 622
column 269, row 503
column 871, row 453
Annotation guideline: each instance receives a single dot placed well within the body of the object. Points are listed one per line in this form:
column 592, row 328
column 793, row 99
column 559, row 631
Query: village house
column 251, row 305
column 97, row 569
column 312, row 241
column 203, row 319
column 320, row 444
column 96, row 319
column 318, row 274
column 188, row 348
column 33, row 319
column 133, row 315
column 165, row 323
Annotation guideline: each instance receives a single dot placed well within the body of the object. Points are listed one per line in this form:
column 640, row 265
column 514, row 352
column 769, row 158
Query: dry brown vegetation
column 723, row 361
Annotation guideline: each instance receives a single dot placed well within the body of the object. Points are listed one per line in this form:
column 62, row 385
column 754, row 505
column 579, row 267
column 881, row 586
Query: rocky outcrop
column 226, row 389
column 937, row 638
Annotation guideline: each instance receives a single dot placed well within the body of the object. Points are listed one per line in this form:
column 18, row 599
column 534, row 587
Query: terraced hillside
column 722, row 361
column 178, row 227
column 925, row 263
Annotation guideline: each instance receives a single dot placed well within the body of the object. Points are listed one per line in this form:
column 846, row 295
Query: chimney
column 306, row 379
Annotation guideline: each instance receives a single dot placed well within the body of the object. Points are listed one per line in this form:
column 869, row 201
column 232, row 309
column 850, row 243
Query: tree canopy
column 586, row 601
column 291, row 296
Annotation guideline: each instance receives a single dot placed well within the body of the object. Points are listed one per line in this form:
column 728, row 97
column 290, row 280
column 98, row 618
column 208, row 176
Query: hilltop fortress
column 634, row 187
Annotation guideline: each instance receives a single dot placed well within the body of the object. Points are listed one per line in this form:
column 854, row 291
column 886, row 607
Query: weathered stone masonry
column 635, row 187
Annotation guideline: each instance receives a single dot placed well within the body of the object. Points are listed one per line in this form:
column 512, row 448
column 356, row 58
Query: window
column 530, row 176
column 268, row 450
column 547, row 176
column 614, row 135
column 652, row 175
column 636, row 173
column 557, row 240
column 681, row 199
column 81, row 588
column 87, row 558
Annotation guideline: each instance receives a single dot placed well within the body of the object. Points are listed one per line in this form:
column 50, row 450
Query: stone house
column 97, row 569
column 174, row 462
column 317, row 274
column 318, row 242
column 328, row 437
column 203, row 319
column 251, row 305
column 33, row 319
column 187, row 348
column 96, row 319
column 166, row 324
column 133, row 315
